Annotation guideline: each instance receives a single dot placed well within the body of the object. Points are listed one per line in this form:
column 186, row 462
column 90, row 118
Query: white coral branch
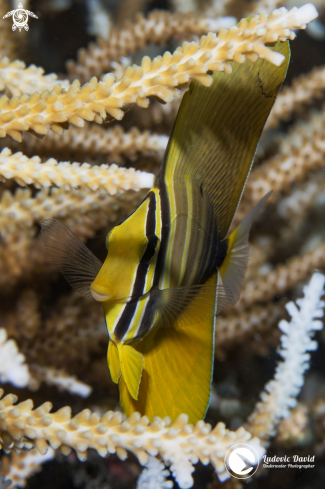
column 280, row 393
column 26, row 464
column 12, row 366
column 154, row 476
column 60, row 379
column 19, row 79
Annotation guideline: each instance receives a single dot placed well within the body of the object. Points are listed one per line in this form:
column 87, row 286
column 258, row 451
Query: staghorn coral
column 154, row 476
column 12, row 366
column 181, row 445
column 94, row 101
column 280, row 394
column 58, row 378
column 18, row 79
column 59, row 331
column 301, row 92
column 20, row 466
column 68, row 175
column 115, row 143
column 157, row 28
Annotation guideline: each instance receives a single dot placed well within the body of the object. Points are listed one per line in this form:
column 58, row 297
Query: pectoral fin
column 78, row 264
column 131, row 362
column 179, row 305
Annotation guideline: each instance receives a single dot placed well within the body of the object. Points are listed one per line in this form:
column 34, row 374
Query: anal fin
column 177, row 372
column 131, row 368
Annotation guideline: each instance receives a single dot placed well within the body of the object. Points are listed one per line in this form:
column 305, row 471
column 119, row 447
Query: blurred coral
column 58, row 340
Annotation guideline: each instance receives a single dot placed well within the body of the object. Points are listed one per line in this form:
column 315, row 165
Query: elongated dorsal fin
column 216, row 133
column 78, row 264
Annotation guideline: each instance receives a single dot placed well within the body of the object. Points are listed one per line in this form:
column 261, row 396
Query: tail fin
column 234, row 267
column 131, row 368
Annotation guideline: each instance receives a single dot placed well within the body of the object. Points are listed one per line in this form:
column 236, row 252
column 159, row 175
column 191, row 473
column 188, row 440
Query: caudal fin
column 234, row 267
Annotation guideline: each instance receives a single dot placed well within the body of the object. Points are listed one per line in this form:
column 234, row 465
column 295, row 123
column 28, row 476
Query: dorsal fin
column 78, row 264
column 217, row 130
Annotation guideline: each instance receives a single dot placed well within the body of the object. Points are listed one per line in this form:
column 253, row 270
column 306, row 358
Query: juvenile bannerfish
column 171, row 266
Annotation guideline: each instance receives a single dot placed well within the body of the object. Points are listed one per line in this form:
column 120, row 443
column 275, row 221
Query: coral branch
column 236, row 326
column 114, row 143
column 22, row 210
column 179, row 444
column 60, row 379
column 112, row 179
column 159, row 78
column 23, row 465
column 280, row 394
column 301, row 153
column 157, row 28
column 284, row 277
column 154, row 476
column 12, row 366
column 14, row 76
column 302, row 90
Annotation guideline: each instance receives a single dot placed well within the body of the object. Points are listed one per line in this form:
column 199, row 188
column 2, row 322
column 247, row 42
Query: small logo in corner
column 20, row 18
column 241, row 461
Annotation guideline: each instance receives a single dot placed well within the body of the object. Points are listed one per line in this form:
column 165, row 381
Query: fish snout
column 101, row 293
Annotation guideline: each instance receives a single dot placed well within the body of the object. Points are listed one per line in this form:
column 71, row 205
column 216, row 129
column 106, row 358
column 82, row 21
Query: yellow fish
column 171, row 266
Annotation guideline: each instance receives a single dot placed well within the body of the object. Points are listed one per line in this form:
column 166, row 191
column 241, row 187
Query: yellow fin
column 233, row 269
column 178, row 367
column 131, row 367
column 217, row 130
column 113, row 362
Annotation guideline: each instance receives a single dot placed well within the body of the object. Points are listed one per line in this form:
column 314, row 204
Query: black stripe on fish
column 165, row 226
column 141, row 273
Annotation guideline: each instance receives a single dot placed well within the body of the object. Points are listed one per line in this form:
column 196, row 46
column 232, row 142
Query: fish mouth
column 100, row 297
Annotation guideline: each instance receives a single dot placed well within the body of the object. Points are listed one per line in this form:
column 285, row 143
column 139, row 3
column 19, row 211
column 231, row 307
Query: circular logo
column 241, row 461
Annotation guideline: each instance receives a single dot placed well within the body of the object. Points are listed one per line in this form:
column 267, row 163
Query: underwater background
column 62, row 335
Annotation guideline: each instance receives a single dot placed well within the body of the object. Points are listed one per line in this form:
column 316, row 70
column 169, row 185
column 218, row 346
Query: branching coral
column 63, row 337
column 60, row 379
column 15, row 77
column 179, row 444
column 12, row 366
column 68, row 175
column 159, row 78
column 22, row 209
column 157, row 28
column 115, row 143
column 302, row 91
column 23, row 465
column 280, row 394
column 154, row 476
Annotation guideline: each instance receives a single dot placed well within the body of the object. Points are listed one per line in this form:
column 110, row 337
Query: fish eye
column 150, row 249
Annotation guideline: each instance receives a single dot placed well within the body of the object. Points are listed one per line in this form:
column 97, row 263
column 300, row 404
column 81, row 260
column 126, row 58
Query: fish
column 173, row 265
